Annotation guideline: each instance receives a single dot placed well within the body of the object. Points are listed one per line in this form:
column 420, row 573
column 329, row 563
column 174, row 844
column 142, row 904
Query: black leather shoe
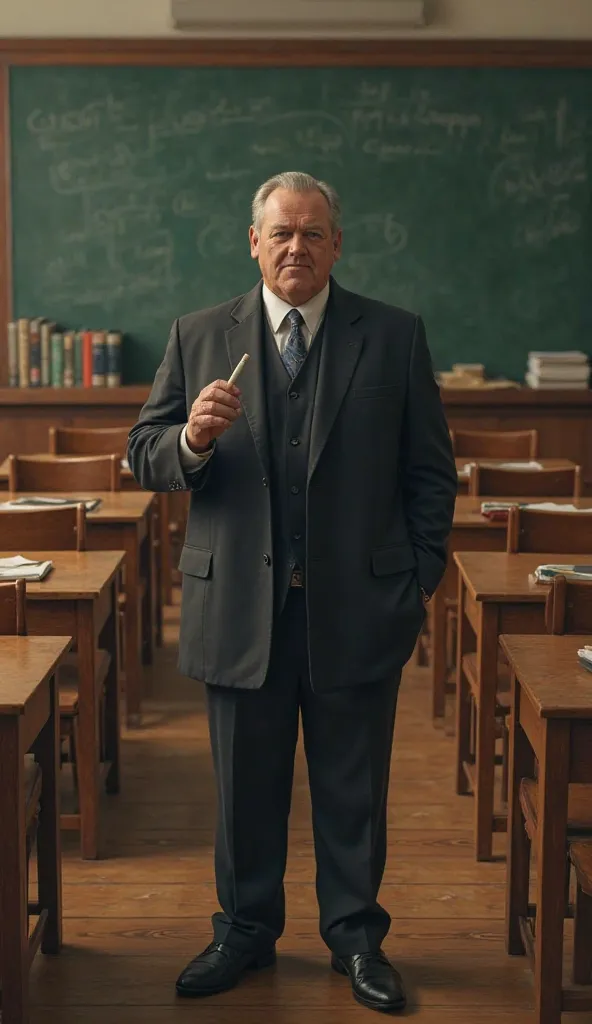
column 218, row 969
column 375, row 982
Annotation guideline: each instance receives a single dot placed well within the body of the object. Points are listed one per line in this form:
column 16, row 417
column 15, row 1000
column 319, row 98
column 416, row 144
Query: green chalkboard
column 466, row 196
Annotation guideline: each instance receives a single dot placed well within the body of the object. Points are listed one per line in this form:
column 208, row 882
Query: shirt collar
column 311, row 311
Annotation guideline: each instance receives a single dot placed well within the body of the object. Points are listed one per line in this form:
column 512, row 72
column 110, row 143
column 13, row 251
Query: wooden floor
column 133, row 920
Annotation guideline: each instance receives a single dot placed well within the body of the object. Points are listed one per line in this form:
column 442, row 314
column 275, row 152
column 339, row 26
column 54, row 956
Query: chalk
column 238, row 369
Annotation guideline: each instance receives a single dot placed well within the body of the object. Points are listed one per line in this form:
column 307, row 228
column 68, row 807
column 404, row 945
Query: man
column 322, row 495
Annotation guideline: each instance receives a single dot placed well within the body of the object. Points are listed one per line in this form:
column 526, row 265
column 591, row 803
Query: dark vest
column 290, row 405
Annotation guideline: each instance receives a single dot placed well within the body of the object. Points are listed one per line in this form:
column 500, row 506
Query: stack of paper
column 545, row 573
column 18, row 568
column 42, row 501
column 558, row 370
column 499, row 509
column 585, row 657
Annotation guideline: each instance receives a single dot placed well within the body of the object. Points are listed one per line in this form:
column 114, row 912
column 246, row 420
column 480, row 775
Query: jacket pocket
column 394, row 559
column 381, row 391
column 195, row 561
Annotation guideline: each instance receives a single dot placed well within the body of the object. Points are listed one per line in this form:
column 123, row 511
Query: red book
column 87, row 359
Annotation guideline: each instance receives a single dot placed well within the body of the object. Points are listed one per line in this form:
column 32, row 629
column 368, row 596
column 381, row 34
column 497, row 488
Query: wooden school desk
column 79, row 599
column 470, row 532
column 495, row 596
column 123, row 522
column 463, row 463
column 551, row 721
column 162, row 515
column 29, row 720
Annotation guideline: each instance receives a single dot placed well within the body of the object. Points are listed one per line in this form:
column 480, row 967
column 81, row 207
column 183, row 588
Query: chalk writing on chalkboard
column 463, row 192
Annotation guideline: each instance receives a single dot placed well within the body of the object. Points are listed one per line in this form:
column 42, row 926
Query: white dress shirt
column 276, row 311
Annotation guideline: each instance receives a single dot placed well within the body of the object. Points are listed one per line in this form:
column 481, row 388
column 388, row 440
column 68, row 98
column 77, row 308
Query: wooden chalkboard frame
column 462, row 53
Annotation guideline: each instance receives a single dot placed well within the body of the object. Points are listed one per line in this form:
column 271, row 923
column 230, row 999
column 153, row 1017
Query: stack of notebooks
column 546, row 573
column 585, row 657
column 558, row 370
column 41, row 355
column 19, row 568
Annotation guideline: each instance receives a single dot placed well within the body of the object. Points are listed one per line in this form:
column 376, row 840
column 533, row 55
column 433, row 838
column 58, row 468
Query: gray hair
column 296, row 181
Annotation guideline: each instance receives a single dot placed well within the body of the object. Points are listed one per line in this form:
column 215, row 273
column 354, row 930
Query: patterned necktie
column 294, row 353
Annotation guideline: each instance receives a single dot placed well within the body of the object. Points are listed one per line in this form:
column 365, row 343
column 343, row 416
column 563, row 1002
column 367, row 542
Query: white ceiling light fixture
column 369, row 18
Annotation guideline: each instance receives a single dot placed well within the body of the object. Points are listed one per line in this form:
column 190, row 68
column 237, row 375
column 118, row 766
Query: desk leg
column 438, row 606
column 518, row 844
column 148, row 605
column 464, row 644
column 133, row 629
column 88, row 751
column 165, row 549
column 110, row 643
column 14, row 948
column 551, row 841
column 49, row 860
column 487, row 651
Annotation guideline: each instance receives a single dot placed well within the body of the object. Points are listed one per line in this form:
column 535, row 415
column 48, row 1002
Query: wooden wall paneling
column 5, row 223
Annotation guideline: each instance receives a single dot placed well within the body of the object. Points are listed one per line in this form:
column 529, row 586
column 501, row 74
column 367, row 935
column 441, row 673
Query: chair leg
column 505, row 763
column 582, row 950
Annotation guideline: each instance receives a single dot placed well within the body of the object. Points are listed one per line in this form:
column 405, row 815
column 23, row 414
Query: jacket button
column 294, row 394
column 264, row 481
column 267, row 559
column 297, row 536
column 294, row 489
column 294, row 441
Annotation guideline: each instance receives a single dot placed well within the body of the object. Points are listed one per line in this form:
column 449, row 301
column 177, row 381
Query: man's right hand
column 215, row 409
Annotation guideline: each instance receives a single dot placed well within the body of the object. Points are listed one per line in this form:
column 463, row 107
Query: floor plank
column 134, row 919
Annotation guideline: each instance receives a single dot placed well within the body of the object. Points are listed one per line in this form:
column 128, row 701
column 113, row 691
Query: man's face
column 294, row 245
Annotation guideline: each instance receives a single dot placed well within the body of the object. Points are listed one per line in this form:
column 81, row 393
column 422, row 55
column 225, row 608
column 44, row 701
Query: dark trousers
column 348, row 738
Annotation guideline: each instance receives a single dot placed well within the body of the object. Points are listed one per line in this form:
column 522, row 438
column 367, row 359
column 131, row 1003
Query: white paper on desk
column 554, row 506
column 16, row 567
column 466, row 469
column 124, row 464
column 42, row 501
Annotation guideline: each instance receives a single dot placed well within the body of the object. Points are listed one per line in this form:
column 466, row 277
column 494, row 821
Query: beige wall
column 551, row 19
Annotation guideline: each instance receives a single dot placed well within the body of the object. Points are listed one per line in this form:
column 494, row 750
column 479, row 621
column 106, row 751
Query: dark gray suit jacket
column 380, row 495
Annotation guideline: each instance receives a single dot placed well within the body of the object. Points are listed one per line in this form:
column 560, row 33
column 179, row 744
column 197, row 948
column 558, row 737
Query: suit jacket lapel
column 247, row 336
column 340, row 350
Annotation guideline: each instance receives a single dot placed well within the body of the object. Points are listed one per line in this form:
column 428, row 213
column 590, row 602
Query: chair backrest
column 495, row 444
column 53, row 529
column 81, row 473
column 492, row 482
column 13, row 619
column 569, row 606
column 536, row 530
column 80, row 441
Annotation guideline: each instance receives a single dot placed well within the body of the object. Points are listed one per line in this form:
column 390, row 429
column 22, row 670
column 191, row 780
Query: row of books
column 569, row 370
column 40, row 355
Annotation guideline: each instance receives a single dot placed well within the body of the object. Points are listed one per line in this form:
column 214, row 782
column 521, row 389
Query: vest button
column 267, row 559
column 294, row 441
column 294, row 489
column 293, row 394
column 297, row 536
column 264, row 481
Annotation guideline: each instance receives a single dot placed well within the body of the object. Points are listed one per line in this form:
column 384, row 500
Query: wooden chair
column 568, row 608
column 581, row 857
column 537, row 530
column 493, row 482
column 13, row 619
column 59, row 529
column 95, row 441
column 495, row 444
column 77, row 474
column 13, row 622
column 51, row 529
